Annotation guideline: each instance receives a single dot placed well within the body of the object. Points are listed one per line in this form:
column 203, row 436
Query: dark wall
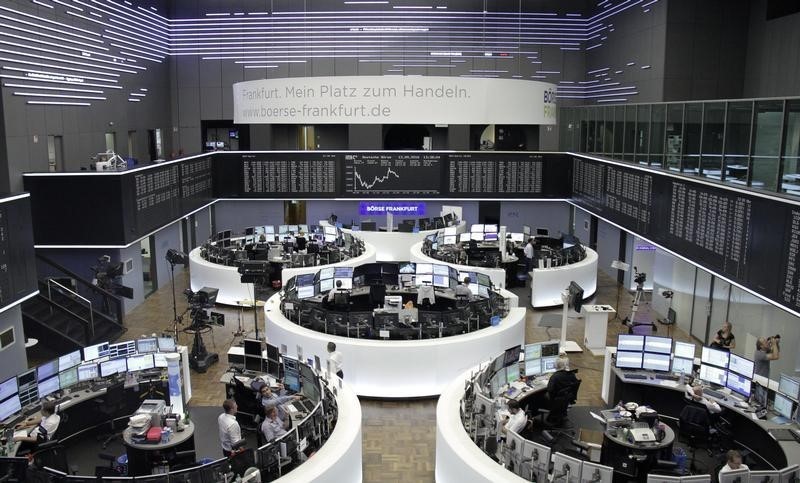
column 773, row 54
column 13, row 359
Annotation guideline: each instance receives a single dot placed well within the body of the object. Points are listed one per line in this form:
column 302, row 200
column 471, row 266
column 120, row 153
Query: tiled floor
column 399, row 436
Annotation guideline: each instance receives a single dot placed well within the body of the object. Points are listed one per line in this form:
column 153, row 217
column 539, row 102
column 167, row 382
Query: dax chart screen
column 391, row 174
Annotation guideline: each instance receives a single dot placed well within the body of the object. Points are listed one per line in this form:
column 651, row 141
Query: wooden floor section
column 399, row 436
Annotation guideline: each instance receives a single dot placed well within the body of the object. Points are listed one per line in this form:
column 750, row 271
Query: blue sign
column 396, row 208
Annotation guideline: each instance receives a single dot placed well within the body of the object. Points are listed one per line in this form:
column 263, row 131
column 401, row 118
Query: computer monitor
column 68, row 378
column 540, row 231
column 682, row 366
column 476, row 228
column 8, row 388
column 629, row 360
column 538, row 456
column 660, row 345
column 513, row 450
column 715, row 357
column 490, row 228
column 651, row 478
column 596, row 473
column 71, row 359
column 533, row 367
column 789, row 386
column 517, row 237
column 656, row 362
column 741, row 366
column 549, row 364
column 512, row 373
column 424, row 268
column 292, row 382
column 765, row 476
column 113, row 366
column 305, row 292
column 566, row 469
column 140, row 362
column 735, row 476
column 149, row 344
column 713, row 374
column 160, row 360
column 252, row 347
column 550, row 348
column 9, row 406
column 449, row 240
column 533, row 351
column 684, row 350
column 464, row 237
column 760, row 395
column 477, row 236
column 48, row 386
column 47, row 370
column 738, row 384
column 450, row 231
column 782, row 405
column 87, row 372
column 254, row 364
column 166, row 344
column 790, row 474
column 325, row 285
column 630, row 342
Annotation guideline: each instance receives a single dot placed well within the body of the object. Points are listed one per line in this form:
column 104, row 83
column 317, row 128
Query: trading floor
column 398, row 435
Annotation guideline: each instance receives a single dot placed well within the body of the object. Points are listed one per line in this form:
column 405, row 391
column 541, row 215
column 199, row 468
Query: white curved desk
column 497, row 275
column 203, row 273
column 398, row 368
column 548, row 283
column 339, row 459
column 458, row 458
column 393, row 246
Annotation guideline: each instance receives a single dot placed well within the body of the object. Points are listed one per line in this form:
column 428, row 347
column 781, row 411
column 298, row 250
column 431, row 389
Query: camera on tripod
column 640, row 278
column 198, row 302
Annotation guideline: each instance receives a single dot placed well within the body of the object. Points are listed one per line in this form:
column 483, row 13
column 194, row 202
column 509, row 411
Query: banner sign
column 396, row 208
column 394, row 100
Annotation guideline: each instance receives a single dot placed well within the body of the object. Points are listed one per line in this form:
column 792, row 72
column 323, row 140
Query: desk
column 616, row 452
column 393, row 246
column 142, row 456
column 497, row 275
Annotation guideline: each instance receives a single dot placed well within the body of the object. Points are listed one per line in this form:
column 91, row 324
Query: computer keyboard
column 667, row 377
column 782, row 434
column 62, row 399
column 635, row 375
column 716, row 394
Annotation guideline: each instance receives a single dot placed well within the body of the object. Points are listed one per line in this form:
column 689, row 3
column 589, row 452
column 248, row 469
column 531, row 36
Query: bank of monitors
column 8, row 388
column 738, row 384
column 87, row 372
column 596, row 473
column 48, row 386
column 47, row 370
column 715, row 357
column 713, row 374
column 9, row 407
column 629, row 360
column 630, row 343
column 71, row 359
column 540, row 358
column 113, row 366
column 789, row 387
column 566, row 469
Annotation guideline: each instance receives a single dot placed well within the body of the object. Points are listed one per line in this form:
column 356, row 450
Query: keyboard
column 635, row 376
column 716, row 394
column 667, row 377
column 785, row 434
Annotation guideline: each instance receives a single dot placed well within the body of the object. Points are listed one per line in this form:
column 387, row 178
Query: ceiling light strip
column 59, row 103
column 58, row 96
column 40, row 49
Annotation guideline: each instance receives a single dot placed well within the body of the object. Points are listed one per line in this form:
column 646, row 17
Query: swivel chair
column 559, row 404
column 694, row 428
column 111, row 406
column 52, row 455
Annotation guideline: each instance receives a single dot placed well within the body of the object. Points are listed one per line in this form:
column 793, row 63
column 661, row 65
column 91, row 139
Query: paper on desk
column 599, row 418
column 21, row 433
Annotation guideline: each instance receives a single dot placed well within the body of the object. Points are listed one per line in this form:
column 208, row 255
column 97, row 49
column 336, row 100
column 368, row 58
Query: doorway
column 294, row 212
column 55, row 153
column 149, row 272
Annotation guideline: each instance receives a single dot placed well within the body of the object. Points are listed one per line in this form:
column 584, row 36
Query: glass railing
column 752, row 143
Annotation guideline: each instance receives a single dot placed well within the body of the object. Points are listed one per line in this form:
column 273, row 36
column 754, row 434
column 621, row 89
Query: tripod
column 176, row 319
column 199, row 358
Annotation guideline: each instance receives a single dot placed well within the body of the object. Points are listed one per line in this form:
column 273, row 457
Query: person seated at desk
column 271, row 400
column 560, row 381
column 332, row 294
column 733, row 461
column 518, row 419
column 462, row 289
column 44, row 427
column 301, row 242
column 695, row 393
column 425, row 292
column 272, row 427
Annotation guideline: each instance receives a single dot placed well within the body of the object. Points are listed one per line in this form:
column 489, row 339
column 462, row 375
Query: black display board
column 378, row 174
column 17, row 258
column 752, row 240
column 504, row 175
column 276, row 175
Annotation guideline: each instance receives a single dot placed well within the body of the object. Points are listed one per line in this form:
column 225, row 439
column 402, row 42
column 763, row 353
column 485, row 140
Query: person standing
column 724, row 340
column 768, row 349
column 335, row 360
column 528, row 252
column 229, row 430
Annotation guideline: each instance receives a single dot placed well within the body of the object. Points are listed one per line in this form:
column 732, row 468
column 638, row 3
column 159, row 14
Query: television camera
column 200, row 358
column 108, row 276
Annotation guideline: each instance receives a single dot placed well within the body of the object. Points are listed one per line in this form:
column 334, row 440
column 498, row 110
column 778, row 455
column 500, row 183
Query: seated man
column 695, row 393
column 518, row 419
column 301, row 242
column 271, row 400
column 332, row 294
column 462, row 289
column 44, row 427
column 272, row 427
column 733, row 461
column 558, row 390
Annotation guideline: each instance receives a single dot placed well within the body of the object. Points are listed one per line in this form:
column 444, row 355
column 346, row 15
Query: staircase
column 63, row 319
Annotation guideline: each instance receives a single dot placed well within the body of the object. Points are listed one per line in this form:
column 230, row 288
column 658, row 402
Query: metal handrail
column 74, row 295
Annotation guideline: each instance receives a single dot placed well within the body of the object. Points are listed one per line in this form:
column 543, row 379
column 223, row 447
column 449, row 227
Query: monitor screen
column 477, row 236
column 122, row 349
column 549, row 364
column 160, row 359
column 441, row 270
column 304, row 280
column 292, row 382
column 681, row 365
column 450, row 231
column 113, row 366
column 326, row 285
column 330, row 238
column 789, row 386
column 283, row 229
column 9, row 406
column 343, row 272
column 476, row 228
column 424, row 268
column 149, row 344
column 408, row 268
column 782, row 405
column 330, row 230
column 441, row 281
column 347, row 283
column 629, row 360
column 661, row 345
column 656, row 362
column 630, row 342
column 490, row 228
column 26, row 378
column 87, row 372
column 714, row 375
column 252, row 347
column 714, row 357
column 166, row 344
column 48, row 386
column 490, row 236
column 69, row 360
column 326, row 273
column 47, row 370
column 741, row 365
column 68, row 378
column 305, row 292
column 140, row 362
column 533, row 367
column 7, row 388
column 517, row 237
column 293, row 228
column 550, row 348
column 512, row 373
column 684, row 350
column 533, row 351
column 449, row 240
column 424, row 279
column 464, row 237
column 253, row 364
column 738, row 384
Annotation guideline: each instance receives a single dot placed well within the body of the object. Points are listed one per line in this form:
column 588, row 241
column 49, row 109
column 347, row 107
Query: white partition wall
column 548, row 283
column 497, row 275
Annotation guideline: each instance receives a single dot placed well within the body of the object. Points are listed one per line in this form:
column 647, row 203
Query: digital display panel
column 47, row 370
column 682, row 366
column 533, row 367
column 69, row 360
column 661, row 345
column 305, row 292
column 630, row 342
column 304, row 280
column 741, row 365
column 166, row 344
column 140, row 362
column 789, row 387
column 714, row 357
column 738, row 384
column 424, row 268
column 113, row 366
column 8, row 387
column 48, row 386
column 712, row 374
column 326, row 273
column 629, row 360
column 160, row 360
column 9, row 407
column 656, row 362
column 393, row 174
column 549, row 364
column 684, row 350
column 782, row 405
column 476, row 228
column 533, row 351
column 68, row 378
column 325, row 285
column 87, row 372
column 450, row 231
column 149, row 344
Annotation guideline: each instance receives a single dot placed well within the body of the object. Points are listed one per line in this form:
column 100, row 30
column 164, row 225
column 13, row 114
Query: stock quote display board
column 525, row 175
column 17, row 258
column 752, row 240
column 393, row 174
column 275, row 175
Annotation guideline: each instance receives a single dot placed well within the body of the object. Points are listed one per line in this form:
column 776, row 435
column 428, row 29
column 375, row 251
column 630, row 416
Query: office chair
column 51, row 454
column 110, row 406
column 341, row 299
column 694, row 428
column 559, row 405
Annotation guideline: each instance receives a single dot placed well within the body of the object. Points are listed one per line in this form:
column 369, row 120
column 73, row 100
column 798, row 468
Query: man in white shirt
column 272, row 427
column 695, row 393
column 335, row 360
column 332, row 294
column 44, row 427
column 462, row 289
column 734, row 462
column 528, row 251
column 518, row 419
column 229, row 430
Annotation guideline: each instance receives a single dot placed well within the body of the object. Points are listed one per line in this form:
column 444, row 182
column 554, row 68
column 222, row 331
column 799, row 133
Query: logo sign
column 396, row 208
column 394, row 100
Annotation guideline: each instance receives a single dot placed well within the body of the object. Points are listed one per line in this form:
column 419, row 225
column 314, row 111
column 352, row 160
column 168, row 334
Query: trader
column 560, row 381
column 518, row 419
column 733, row 462
column 335, row 360
column 768, row 349
column 332, row 293
column 271, row 400
column 528, row 252
column 695, row 393
column 229, row 430
column 462, row 289
column 301, row 242
column 44, row 427
column 272, row 427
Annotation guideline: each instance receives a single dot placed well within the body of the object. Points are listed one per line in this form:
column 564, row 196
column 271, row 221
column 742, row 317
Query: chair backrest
column 694, row 421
